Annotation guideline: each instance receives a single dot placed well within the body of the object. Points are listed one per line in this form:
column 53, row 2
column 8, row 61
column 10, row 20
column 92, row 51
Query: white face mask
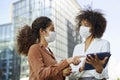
column 84, row 32
column 51, row 37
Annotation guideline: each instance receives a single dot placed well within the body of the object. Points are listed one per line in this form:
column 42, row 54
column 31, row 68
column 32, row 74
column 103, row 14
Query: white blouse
column 97, row 45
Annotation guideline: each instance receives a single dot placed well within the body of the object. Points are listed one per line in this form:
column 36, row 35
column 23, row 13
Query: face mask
column 51, row 37
column 84, row 32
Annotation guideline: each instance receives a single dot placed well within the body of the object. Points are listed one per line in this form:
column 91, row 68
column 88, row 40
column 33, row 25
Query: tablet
column 101, row 56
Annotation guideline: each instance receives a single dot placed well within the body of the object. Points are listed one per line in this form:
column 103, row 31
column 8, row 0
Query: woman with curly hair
column 92, row 25
column 33, row 42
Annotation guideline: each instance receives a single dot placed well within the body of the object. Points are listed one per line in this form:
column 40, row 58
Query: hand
column 67, row 71
column 81, row 69
column 96, row 62
column 75, row 60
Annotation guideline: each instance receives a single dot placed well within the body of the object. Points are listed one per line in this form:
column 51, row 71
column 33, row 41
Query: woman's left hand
column 67, row 71
column 96, row 62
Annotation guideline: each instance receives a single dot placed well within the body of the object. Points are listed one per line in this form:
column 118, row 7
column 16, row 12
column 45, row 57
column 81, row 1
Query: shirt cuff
column 101, row 75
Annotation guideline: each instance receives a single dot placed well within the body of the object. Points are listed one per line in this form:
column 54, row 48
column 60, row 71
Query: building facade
column 9, row 60
column 62, row 13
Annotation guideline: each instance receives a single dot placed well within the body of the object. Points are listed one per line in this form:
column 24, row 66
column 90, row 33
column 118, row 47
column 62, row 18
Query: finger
column 88, row 62
column 78, row 59
column 104, row 60
column 81, row 69
column 76, row 62
column 81, row 56
column 70, row 68
column 90, row 57
column 69, row 73
column 96, row 57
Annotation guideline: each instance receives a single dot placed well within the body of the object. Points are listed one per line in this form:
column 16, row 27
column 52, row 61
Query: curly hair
column 95, row 17
column 27, row 36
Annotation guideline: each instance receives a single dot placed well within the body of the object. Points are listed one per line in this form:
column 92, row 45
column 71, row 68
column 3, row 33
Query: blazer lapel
column 51, row 53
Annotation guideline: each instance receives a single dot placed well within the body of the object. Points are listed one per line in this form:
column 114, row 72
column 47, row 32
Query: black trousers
column 90, row 78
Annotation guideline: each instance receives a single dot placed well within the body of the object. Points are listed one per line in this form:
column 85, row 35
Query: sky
column 5, row 11
column 111, row 9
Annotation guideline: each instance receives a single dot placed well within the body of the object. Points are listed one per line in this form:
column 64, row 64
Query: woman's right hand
column 75, row 60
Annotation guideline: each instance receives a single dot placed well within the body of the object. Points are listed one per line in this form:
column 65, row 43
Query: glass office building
column 62, row 13
column 9, row 60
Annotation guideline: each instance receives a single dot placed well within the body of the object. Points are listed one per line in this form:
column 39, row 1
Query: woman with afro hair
column 91, row 26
